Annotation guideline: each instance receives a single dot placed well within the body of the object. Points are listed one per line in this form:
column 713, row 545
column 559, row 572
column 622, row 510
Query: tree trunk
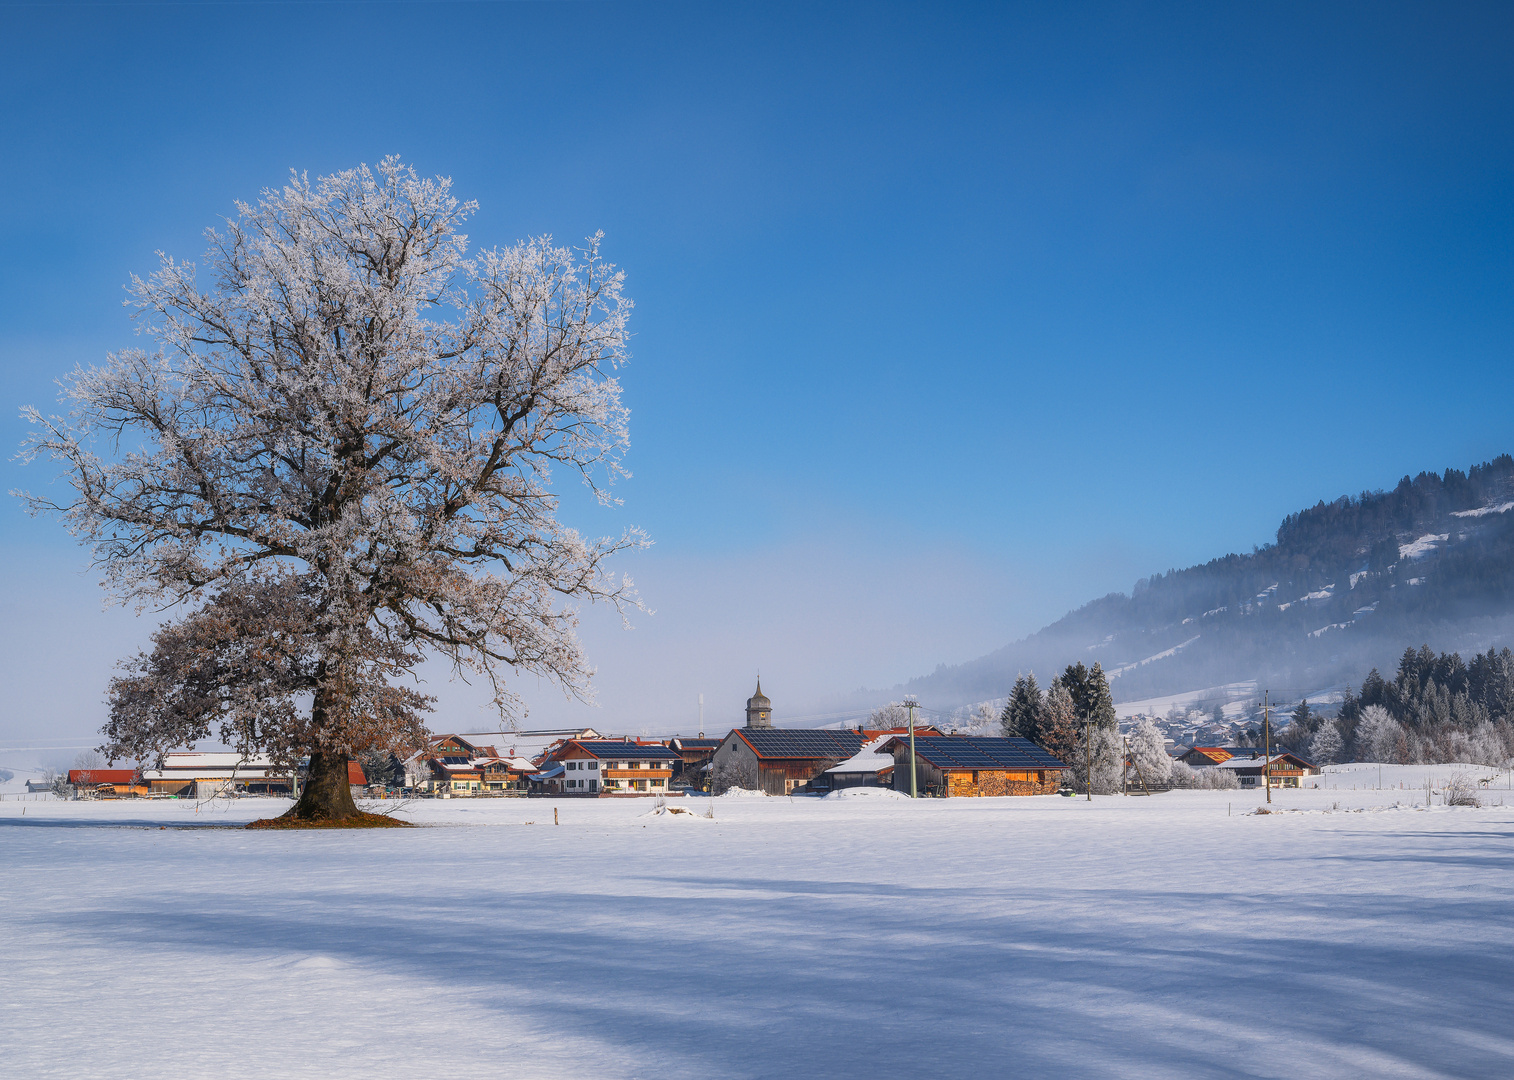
column 327, row 796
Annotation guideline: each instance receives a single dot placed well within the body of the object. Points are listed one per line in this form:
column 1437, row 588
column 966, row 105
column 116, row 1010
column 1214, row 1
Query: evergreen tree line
column 1073, row 720
column 1436, row 709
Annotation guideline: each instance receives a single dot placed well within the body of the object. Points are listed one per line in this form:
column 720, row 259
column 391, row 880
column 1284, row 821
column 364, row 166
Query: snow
column 1501, row 508
column 1423, row 546
column 1164, row 654
column 864, row 762
column 1325, row 629
column 854, row 937
column 1236, row 695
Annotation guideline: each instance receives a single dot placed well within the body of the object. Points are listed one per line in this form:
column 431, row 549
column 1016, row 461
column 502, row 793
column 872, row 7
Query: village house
column 452, row 765
column 1286, row 769
column 1203, row 756
column 953, row 766
column 604, row 768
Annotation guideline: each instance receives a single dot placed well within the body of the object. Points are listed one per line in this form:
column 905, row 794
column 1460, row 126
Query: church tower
column 759, row 710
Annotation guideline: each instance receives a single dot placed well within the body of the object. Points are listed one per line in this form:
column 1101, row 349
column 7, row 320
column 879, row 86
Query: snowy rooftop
column 863, row 762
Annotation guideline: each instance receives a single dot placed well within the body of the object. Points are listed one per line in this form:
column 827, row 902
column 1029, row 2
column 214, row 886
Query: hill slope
column 1346, row 586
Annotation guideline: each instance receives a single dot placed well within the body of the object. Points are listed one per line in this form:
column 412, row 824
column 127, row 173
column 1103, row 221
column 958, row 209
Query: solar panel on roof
column 983, row 752
column 802, row 742
column 612, row 748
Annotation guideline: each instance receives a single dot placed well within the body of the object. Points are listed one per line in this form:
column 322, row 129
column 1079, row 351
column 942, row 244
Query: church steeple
column 759, row 710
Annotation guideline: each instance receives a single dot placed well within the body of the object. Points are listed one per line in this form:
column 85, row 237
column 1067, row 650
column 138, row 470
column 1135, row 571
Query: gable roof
column 801, row 742
column 462, row 743
column 615, row 748
column 102, row 776
column 864, row 762
column 949, row 752
column 697, row 744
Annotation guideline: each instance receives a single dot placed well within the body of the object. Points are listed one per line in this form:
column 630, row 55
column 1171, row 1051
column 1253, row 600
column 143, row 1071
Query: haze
column 947, row 320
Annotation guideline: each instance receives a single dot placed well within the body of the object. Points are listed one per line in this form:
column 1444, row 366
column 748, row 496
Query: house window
column 594, row 765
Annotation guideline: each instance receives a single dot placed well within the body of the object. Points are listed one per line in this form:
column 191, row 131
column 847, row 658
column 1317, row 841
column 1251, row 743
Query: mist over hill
column 1345, row 587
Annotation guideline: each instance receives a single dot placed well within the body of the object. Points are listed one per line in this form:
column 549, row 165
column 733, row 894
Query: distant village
column 757, row 757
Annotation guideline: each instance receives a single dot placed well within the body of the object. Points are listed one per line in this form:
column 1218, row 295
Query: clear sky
column 949, row 318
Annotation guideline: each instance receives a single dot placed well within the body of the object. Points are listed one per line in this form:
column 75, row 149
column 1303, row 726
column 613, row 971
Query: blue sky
column 948, row 318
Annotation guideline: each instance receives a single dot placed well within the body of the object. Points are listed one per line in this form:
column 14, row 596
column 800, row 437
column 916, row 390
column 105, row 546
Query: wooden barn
column 779, row 760
column 954, row 766
column 107, row 783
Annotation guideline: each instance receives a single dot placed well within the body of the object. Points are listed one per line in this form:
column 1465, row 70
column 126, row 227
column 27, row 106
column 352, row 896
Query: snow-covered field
column 1172, row 936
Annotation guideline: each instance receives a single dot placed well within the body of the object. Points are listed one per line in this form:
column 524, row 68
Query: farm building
column 777, row 760
column 867, row 769
column 107, row 783
column 203, row 775
column 961, row 765
column 694, row 755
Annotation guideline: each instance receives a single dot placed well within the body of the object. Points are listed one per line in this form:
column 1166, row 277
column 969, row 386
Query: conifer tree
column 1059, row 723
column 1022, row 713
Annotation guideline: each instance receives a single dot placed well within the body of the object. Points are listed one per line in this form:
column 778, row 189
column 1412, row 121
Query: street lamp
column 911, row 704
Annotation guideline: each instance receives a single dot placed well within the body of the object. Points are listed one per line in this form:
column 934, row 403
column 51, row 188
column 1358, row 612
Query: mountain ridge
column 1343, row 588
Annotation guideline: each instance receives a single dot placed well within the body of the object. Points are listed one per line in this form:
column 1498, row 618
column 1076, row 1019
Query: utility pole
column 701, row 716
column 1266, row 747
column 911, row 704
column 1125, row 769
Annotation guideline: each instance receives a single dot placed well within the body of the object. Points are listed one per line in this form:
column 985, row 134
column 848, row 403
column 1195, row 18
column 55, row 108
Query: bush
column 1205, row 779
column 1461, row 791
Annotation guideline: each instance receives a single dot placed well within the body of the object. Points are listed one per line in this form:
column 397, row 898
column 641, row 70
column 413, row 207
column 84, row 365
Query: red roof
column 101, row 776
column 355, row 774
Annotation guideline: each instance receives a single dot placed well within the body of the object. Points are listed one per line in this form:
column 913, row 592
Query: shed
column 972, row 765
column 866, row 769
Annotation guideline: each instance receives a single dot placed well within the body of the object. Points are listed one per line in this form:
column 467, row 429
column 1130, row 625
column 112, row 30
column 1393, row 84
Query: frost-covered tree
column 338, row 453
column 1059, row 722
column 1379, row 737
column 1148, row 750
column 1325, row 747
column 1022, row 713
column 1105, row 749
column 887, row 717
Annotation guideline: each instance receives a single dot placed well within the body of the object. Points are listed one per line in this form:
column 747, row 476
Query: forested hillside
column 1342, row 589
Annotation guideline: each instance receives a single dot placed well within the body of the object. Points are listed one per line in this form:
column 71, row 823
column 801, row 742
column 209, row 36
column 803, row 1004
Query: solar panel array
column 983, row 752
column 802, row 742
column 611, row 748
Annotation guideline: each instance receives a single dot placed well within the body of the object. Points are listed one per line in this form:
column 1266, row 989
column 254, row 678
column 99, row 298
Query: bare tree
column 736, row 773
column 339, row 452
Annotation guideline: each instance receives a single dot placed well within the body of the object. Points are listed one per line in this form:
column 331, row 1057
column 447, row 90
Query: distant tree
column 1217, row 712
column 1059, row 722
column 1302, row 716
column 1022, row 713
column 887, row 717
column 1325, row 746
column 340, row 455
column 1089, row 690
column 1379, row 737
column 90, row 759
column 1098, row 757
column 1148, row 749
column 736, row 773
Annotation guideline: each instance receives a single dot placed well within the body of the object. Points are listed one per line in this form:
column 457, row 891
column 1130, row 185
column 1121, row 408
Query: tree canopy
column 338, row 454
